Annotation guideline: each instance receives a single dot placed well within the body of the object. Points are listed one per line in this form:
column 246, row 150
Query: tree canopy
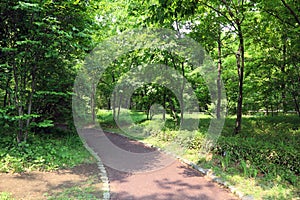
column 255, row 45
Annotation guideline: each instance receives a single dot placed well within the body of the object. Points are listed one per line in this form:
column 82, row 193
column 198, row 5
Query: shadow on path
column 156, row 177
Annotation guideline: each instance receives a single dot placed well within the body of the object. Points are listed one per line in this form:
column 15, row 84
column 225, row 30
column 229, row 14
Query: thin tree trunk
column 114, row 99
column 93, row 103
column 164, row 104
column 30, row 102
column 108, row 104
column 297, row 108
column 6, row 93
column 283, row 96
column 240, row 58
column 219, row 76
column 119, row 106
column 18, row 105
column 114, row 105
column 181, row 96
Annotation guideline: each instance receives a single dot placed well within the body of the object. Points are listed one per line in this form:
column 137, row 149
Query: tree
column 40, row 44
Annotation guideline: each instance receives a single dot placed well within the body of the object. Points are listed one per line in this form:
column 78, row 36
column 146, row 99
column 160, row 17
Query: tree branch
column 270, row 12
column 222, row 14
column 291, row 11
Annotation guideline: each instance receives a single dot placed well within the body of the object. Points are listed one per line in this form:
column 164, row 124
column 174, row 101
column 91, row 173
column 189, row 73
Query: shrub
column 41, row 152
column 268, row 157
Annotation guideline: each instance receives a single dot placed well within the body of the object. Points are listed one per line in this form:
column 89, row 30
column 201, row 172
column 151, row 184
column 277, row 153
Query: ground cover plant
column 262, row 161
column 45, row 151
column 53, row 152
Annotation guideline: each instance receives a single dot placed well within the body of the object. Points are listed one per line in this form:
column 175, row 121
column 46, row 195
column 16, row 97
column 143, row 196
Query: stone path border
column 103, row 174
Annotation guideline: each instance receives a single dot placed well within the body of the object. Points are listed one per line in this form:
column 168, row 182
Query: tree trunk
column 93, row 103
column 181, row 96
column 18, row 105
column 219, row 76
column 164, row 104
column 240, row 59
column 108, row 104
column 283, row 96
column 296, row 102
column 7, row 88
column 114, row 100
column 119, row 106
column 30, row 102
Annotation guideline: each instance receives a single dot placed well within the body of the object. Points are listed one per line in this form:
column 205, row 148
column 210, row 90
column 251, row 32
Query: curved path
column 176, row 181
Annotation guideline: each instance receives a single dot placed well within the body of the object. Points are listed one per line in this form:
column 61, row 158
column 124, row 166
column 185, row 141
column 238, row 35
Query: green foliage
column 41, row 152
column 6, row 196
column 267, row 145
column 76, row 193
column 40, row 44
column 269, row 157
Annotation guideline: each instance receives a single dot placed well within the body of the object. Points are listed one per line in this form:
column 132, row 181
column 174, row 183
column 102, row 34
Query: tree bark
column 18, row 105
column 240, row 59
column 164, row 104
column 119, row 106
column 219, row 76
column 297, row 108
column 114, row 99
column 30, row 101
column 181, row 96
column 283, row 95
column 5, row 101
column 93, row 103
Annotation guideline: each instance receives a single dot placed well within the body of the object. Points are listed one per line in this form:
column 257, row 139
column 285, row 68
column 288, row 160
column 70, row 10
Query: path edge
column 103, row 174
column 207, row 172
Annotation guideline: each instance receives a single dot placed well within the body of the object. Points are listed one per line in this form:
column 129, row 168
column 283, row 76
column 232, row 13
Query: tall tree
column 40, row 44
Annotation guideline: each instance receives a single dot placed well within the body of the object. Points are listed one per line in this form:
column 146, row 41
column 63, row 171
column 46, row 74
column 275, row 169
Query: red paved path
column 176, row 181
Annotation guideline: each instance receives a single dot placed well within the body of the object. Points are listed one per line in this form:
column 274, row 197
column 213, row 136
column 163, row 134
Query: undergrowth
column 45, row 151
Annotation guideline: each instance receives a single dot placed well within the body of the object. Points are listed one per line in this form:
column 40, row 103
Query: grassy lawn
column 262, row 161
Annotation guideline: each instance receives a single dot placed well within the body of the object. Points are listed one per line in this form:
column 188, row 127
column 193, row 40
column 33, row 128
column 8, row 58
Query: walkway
column 156, row 177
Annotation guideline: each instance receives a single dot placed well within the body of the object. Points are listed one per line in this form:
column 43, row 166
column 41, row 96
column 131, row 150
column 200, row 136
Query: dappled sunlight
column 260, row 161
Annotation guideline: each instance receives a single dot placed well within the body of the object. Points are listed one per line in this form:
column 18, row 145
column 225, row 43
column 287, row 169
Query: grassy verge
column 6, row 196
column 54, row 149
column 46, row 151
column 262, row 161
column 84, row 190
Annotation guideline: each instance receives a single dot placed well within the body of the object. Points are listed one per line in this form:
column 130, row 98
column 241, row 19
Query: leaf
column 45, row 123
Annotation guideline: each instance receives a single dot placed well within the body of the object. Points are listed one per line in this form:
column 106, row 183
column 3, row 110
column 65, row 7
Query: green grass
column 84, row 190
column 6, row 196
column 263, row 160
column 45, row 151
column 76, row 193
column 49, row 150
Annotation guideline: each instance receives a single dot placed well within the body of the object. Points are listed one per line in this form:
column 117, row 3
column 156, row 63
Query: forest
column 254, row 52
